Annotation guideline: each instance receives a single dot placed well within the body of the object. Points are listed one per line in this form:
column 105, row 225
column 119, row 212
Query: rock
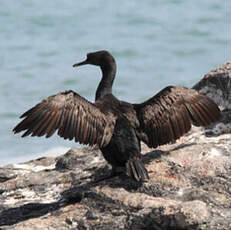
column 69, row 160
column 217, row 85
column 6, row 174
column 189, row 188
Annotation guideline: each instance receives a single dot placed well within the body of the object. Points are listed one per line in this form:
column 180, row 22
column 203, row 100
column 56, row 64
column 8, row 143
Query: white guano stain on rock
column 33, row 168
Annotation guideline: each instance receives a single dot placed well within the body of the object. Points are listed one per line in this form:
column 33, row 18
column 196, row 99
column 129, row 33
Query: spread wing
column 73, row 117
column 169, row 114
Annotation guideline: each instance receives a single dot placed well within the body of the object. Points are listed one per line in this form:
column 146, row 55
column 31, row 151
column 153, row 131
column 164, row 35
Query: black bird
column 118, row 127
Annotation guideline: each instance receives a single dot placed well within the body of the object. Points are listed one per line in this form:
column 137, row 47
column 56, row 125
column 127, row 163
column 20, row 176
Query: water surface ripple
column 155, row 43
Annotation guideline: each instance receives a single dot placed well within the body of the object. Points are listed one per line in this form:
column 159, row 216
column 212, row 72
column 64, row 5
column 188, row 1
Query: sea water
column 155, row 44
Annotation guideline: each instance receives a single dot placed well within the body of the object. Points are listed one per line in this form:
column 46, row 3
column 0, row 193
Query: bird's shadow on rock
column 76, row 193
column 12, row 216
column 72, row 195
column 157, row 154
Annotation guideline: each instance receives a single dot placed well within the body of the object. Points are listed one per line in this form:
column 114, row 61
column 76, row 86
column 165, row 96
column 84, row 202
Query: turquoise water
column 155, row 43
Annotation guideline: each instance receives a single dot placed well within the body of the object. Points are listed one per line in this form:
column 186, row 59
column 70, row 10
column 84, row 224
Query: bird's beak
column 81, row 63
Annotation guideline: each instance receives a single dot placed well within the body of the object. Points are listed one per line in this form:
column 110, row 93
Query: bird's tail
column 135, row 169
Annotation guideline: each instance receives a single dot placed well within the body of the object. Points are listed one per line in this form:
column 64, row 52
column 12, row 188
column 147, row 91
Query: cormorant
column 118, row 127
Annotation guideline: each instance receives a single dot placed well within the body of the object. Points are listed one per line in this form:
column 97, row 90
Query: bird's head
column 100, row 58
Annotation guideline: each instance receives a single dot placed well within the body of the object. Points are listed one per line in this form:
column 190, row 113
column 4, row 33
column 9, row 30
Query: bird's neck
column 105, row 85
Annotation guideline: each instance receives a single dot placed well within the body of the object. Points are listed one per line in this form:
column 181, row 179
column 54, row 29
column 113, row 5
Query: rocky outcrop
column 189, row 188
column 217, row 85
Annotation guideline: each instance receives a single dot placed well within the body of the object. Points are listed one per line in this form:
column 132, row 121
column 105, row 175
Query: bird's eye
column 88, row 55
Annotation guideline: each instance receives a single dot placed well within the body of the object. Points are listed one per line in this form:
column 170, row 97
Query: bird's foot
column 116, row 171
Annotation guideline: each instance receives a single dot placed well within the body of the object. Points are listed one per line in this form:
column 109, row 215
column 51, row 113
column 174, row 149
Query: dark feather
column 65, row 112
column 52, row 125
column 169, row 114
